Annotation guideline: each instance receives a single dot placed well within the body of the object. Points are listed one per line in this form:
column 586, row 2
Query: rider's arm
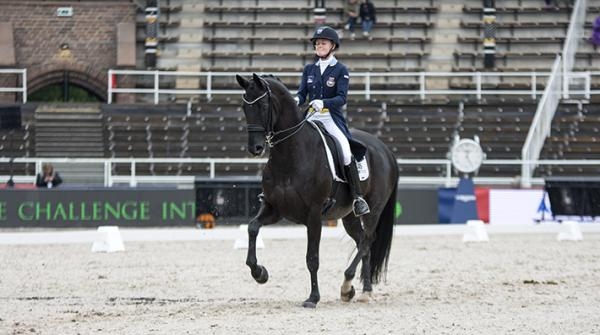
column 302, row 91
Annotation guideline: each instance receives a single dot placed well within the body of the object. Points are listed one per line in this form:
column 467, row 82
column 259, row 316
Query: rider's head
column 325, row 40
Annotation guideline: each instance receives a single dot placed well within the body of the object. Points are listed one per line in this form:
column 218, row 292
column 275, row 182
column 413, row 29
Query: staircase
column 71, row 131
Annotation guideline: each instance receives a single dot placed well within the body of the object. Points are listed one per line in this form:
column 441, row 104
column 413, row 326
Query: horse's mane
column 275, row 80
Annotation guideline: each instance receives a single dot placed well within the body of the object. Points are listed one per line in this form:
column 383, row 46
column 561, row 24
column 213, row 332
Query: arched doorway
column 65, row 86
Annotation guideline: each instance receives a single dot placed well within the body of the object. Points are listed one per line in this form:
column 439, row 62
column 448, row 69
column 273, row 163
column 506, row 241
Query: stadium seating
column 518, row 26
column 272, row 36
column 266, row 37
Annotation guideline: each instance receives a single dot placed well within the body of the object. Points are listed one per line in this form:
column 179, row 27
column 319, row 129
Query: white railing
column 542, row 121
column 478, row 80
column 16, row 88
column 446, row 177
column 481, row 83
column 574, row 35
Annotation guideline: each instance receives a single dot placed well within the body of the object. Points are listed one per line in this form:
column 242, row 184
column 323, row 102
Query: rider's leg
column 360, row 206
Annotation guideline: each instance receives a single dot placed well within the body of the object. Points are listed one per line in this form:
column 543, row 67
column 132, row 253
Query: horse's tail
column 380, row 248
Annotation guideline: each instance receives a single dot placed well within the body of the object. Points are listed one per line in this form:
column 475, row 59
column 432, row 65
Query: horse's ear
column 258, row 81
column 242, row 81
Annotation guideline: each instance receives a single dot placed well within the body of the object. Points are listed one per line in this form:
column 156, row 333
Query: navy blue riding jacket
column 331, row 87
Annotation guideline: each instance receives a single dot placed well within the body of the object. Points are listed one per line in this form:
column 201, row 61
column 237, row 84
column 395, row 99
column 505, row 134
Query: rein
column 270, row 133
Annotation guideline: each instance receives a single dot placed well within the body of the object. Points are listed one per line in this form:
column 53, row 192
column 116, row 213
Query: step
column 56, row 116
column 65, row 123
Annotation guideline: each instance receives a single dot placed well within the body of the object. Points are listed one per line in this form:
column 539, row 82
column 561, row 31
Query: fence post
column 478, row 84
column 533, row 85
column 422, row 84
column 209, row 86
column 107, row 174
column 24, row 85
column 156, row 87
column 448, row 173
column 368, row 86
column 110, row 85
column 133, row 181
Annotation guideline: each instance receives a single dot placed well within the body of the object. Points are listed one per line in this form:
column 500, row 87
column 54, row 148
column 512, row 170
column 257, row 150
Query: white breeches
column 333, row 129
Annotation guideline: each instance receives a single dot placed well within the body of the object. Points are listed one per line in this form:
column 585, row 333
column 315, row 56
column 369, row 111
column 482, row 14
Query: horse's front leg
column 266, row 215
column 313, row 229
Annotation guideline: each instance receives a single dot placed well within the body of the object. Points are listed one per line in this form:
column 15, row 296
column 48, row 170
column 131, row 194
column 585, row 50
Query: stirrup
column 360, row 207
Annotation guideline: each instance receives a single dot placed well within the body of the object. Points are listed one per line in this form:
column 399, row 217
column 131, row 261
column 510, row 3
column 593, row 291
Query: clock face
column 467, row 156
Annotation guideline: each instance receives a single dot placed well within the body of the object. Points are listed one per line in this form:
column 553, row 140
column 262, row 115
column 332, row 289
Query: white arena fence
column 133, row 178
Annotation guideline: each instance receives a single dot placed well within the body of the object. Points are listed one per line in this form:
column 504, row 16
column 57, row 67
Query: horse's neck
column 298, row 150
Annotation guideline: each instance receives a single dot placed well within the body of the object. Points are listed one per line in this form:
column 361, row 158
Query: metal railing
column 574, row 35
column 482, row 83
column 133, row 178
column 540, row 126
column 478, row 84
column 16, row 88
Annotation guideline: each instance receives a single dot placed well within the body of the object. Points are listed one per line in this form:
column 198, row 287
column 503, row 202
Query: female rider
column 325, row 84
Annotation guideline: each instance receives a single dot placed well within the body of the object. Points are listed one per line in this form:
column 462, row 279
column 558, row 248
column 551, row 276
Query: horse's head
column 258, row 111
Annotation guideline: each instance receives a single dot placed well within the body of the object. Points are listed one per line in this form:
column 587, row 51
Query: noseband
column 268, row 131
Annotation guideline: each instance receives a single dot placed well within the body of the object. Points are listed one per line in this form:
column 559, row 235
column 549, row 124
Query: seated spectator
column 48, row 177
column 595, row 39
column 367, row 17
column 351, row 12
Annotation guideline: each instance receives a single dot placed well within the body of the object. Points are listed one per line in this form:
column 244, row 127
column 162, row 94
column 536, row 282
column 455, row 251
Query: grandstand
column 419, row 82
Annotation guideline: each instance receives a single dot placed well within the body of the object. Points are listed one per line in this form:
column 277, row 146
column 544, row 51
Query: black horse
column 297, row 182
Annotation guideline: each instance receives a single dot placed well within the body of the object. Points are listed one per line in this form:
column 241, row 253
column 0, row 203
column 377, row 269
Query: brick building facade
column 53, row 45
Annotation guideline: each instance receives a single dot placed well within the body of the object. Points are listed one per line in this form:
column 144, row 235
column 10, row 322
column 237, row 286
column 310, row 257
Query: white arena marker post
column 475, row 232
column 569, row 231
column 108, row 240
column 242, row 241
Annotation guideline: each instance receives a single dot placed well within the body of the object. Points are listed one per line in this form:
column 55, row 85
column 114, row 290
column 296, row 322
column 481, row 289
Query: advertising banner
column 417, row 206
column 92, row 207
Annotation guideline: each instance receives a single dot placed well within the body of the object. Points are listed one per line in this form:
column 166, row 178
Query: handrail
column 542, row 121
column 133, row 179
column 368, row 78
column 418, row 79
column 574, row 34
column 16, row 89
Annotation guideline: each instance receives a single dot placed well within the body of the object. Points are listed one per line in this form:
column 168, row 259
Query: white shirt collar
column 332, row 61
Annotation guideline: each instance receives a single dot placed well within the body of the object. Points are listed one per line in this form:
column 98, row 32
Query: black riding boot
column 360, row 206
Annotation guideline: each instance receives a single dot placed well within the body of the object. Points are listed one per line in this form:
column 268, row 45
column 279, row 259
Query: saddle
column 358, row 150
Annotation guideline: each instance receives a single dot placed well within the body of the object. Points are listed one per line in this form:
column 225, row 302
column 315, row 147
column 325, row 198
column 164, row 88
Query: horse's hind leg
column 266, row 215
column 363, row 241
column 353, row 227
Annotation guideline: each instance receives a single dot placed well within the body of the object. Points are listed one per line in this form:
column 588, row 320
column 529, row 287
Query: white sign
column 64, row 11
column 517, row 206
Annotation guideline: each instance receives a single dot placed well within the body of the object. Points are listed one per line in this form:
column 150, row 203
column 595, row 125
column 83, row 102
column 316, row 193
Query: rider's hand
column 317, row 105
column 297, row 101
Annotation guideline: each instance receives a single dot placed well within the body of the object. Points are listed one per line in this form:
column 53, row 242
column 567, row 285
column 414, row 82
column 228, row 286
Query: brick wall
column 88, row 39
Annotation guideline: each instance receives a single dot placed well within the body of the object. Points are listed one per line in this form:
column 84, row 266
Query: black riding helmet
column 326, row 33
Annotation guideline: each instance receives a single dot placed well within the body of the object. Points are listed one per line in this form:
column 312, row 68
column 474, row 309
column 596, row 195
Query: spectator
column 48, row 177
column 367, row 17
column 351, row 12
column 596, row 32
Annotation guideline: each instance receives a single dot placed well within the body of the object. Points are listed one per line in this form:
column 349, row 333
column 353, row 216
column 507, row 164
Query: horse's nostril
column 258, row 148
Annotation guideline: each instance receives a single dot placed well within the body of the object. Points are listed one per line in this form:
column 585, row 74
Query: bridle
column 270, row 133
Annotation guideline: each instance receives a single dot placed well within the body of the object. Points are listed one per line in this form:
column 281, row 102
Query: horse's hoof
column 347, row 296
column 365, row 297
column 262, row 276
column 309, row 304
